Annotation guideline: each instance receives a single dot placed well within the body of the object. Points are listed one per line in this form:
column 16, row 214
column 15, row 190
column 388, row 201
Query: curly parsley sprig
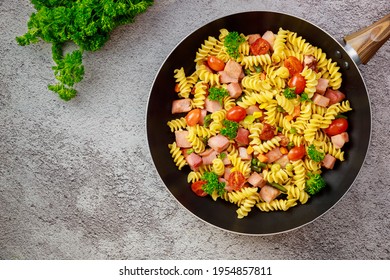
column 232, row 42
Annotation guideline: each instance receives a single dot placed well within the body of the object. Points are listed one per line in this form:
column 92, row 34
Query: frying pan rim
column 306, row 22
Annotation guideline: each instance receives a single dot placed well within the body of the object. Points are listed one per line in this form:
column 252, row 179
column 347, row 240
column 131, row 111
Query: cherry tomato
column 197, row 188
column 177, row 88
column 236, row 180
column 296, row 153
column 268, row 132
column 260, row 46
column 293, row 65
column 236, row 114
column 298, row 82
column 215, row 63
column 337, row 126
column 193, row 117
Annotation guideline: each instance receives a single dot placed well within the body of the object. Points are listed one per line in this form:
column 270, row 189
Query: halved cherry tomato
column 236, row 114
column 337, row 126
column 296, row 153
column 193, row 117
column 293, row 65
column 298, row 82
column 236, row 180
column 197, row 188
column 215, row 63
column 260, row 46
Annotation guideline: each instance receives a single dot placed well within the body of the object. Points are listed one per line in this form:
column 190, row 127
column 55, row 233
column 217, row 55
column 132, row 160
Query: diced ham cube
column 244, row 154
column 181, row 139
column 328, row 161
column 322, row 86
column 310, row 61
column 268, row 193
column 335, row 96
column 274, row 155
column 242, row 137
column 194, row 161
column 252, row 38
column 321, row 100
column 181, row 105
column 270, row 37
column 208, row 159
column 283, row 140
column 256, row 180
column 340, row 139
column 226, row 161
column 218, row 143
column 251, row 109
column 224, row 78
column 227, row 172
column 283, row 161
column 233, row 69
column 212, row 105
column 234, row 90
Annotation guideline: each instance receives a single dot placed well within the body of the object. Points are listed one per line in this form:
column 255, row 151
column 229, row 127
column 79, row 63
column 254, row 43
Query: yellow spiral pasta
column 244, row 143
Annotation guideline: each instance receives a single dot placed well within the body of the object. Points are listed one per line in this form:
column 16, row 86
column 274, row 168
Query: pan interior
column 223, row 215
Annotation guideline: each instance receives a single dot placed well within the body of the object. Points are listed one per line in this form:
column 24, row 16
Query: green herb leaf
column 289, row 93
column 213, row 183
column 232, row 42
column 314, row 183
column 217, row 94
column 304, row 97
column 314, row 154
column 230, row 129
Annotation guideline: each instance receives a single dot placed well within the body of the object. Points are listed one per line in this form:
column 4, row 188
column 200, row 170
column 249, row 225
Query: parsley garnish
column 232, row 42
column 230, row 129
column 217, row 94
column 289, row 93
column 213, row 183
column 314, row 154
column 305, row 97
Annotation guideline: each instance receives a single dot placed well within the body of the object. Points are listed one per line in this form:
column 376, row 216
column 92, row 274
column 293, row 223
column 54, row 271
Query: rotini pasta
column 250, row 136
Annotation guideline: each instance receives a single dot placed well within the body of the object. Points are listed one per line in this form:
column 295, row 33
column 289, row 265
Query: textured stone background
column 77, row 180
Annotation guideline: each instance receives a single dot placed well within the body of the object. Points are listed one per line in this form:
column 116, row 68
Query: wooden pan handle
column 368, row 40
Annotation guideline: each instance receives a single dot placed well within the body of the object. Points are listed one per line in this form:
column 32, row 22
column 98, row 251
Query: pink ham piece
column 227, row 172
column 328, row 161
column 321, row 100
column 283, row 161
column 208, row 159
column 181, row 105
column 256, row 180
column 242, row 137
column 212, row 105
column 233, row 69
column 203, row 114
column 218, row 143
column 270, row 37
column 224, row 78
column 310, row 62
column 322, row 86
column 251, row 109
column 252, row 38
column 268, row 193
column 234, row 90
column 194, row 161
column 340, row 139
column 273, row 155
column 243, row 154
column 334, row 96
column 181, row 139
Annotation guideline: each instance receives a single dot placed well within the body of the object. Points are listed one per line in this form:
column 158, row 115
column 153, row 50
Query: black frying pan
column 222, row 214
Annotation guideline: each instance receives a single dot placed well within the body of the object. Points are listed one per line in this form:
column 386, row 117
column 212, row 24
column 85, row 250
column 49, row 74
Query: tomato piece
column 337, row 126
column 236, row 180
column 215, row 63
column 293, row 65
column 268, row 132
column 236, row 114
column 298, row 82
column 260, row 46
column 296, row 153
column 193, row 117
column 197, row 188
column 177, row 88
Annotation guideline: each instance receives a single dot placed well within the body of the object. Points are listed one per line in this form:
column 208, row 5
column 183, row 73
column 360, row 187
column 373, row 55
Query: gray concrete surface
column 77, row 180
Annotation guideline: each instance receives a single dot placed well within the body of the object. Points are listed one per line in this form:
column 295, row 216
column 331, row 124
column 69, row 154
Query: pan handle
column 368, row 40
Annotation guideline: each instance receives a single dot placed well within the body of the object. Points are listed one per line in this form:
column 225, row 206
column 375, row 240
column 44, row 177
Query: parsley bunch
column 315, row 155
column 232, row 41
column 217, row 94
column 87, row 23
column 230, row 129
column 213, row 183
